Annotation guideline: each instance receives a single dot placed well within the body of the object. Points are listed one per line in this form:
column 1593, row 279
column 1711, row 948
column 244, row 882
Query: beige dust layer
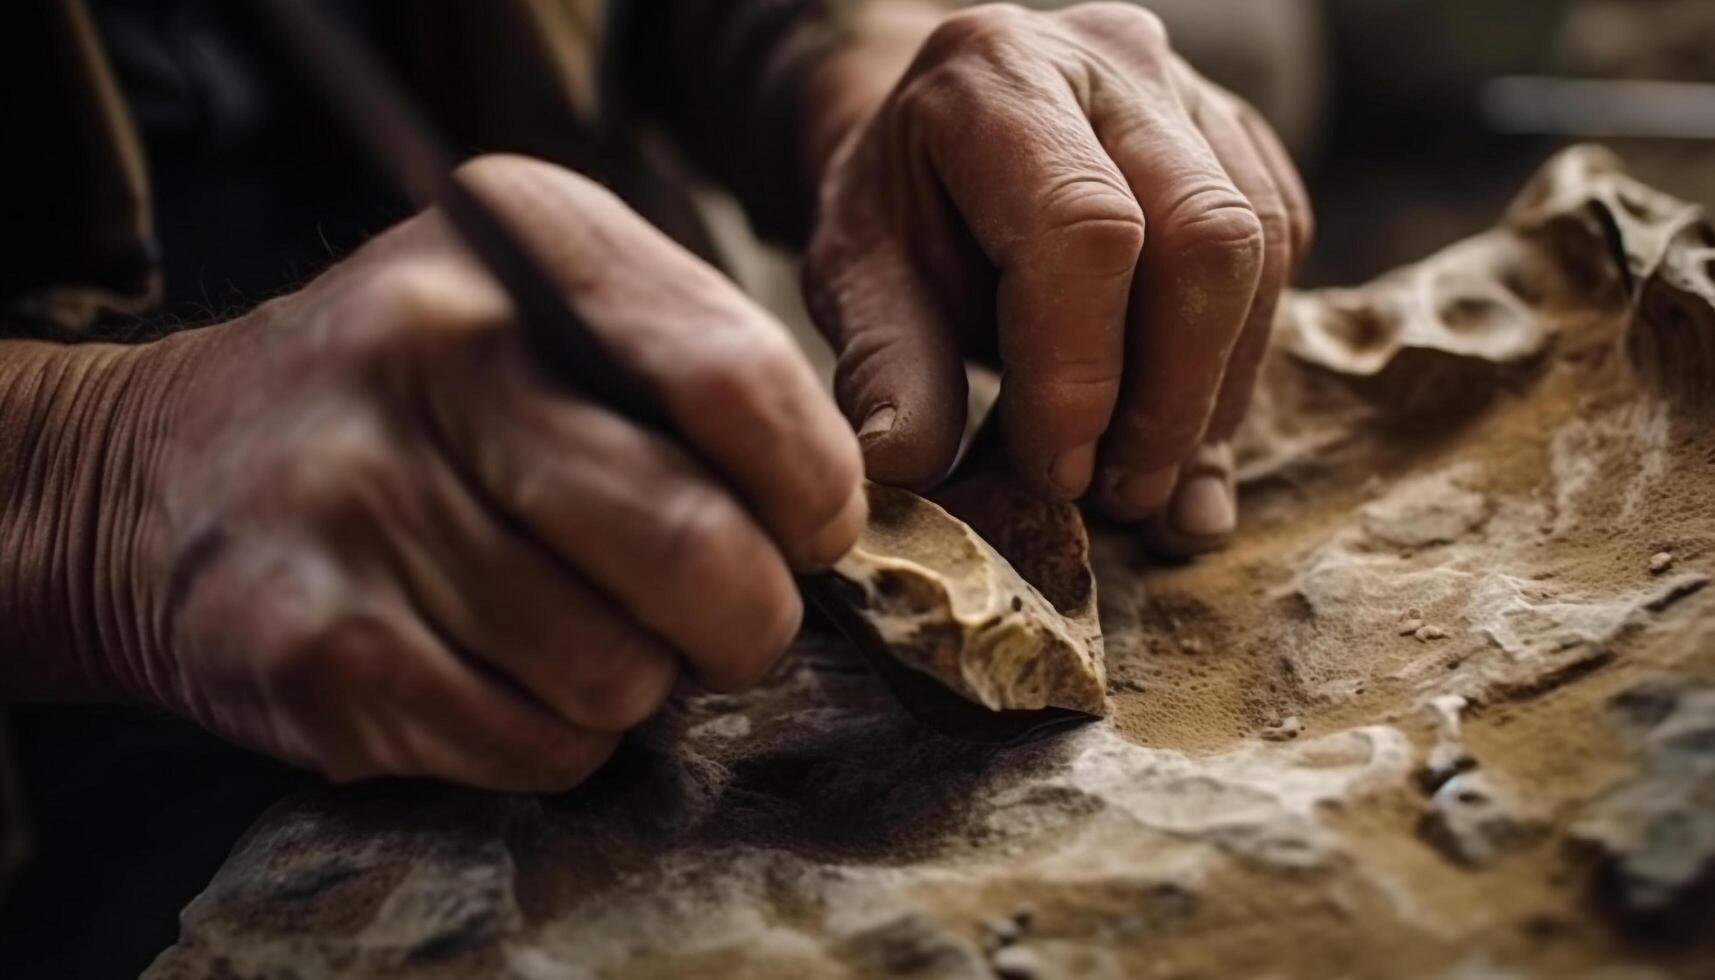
column 1446, row 708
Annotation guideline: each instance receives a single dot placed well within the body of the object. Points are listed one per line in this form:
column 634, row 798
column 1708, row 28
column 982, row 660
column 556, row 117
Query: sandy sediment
column 1444, row 709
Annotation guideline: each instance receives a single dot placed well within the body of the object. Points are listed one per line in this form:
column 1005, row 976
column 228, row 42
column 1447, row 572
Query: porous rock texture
column 1440, row 711
column 930, row 591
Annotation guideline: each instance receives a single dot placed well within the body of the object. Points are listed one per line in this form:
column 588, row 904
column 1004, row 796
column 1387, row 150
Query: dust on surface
column 1440, row 592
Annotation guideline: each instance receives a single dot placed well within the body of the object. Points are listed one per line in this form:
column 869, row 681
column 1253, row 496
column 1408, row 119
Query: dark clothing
column 565, row 80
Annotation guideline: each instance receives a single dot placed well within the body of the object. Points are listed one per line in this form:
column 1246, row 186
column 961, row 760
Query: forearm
column 758, row 92
column 78, row 425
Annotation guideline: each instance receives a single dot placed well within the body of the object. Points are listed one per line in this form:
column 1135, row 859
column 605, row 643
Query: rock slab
column 1438, row 712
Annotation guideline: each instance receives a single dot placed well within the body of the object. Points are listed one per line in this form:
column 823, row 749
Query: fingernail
column 1071, row 471
column 1204, row 508
column 878, row 423
column 1140, row 494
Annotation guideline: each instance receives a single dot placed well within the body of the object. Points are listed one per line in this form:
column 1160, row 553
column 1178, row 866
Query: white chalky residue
column 1529, row 619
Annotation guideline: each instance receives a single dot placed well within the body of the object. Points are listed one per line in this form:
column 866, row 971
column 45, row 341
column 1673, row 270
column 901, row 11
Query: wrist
column 853, row 80
column 85, row 430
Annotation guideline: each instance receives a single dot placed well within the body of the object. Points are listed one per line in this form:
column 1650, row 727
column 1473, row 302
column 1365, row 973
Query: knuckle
column 699, row 536
column 737, row 383
column 1277, row 232
column 349, row 468
column 1095, row 224
column 408, row 309
column 342, row 652
column 1214, row 214
column 1217, row 229
column 979, row 29
column 491, row 167
column 408, row 291
column 1276, row 223
column 939, row 91
column 1083, row 386
column 565, row 765
column 1138, row 25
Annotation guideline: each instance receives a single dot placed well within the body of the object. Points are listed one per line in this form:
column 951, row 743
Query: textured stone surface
column 1666, row 278
column 1656, row 832
column 1434, row 714
column 1474, row 822
column 939, row 597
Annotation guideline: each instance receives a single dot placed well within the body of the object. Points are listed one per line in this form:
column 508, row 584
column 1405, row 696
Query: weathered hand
column 1063, row 192
column 382, row 542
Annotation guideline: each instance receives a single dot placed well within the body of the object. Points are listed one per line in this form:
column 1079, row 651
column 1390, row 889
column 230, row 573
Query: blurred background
column 1416, row 120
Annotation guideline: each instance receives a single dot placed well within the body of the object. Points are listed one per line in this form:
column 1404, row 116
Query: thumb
column 900, row 377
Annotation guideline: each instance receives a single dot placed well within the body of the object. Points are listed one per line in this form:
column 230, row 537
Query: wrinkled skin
column 380, row 542
column 1062, row 192
column 357, row 528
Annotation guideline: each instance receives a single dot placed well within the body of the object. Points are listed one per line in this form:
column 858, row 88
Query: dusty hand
column 384, row 543
column 1059, row 191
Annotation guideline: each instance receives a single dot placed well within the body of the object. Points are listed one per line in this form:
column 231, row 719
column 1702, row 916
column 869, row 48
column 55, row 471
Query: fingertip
column 839, row 535
column 1203, row 508
column 563, row 769
column 1131, row 496
column 627, row 699
column 1071, row 472
column 768, row 622
column 1063, row 475
column 1202, row 514
column 916, row 449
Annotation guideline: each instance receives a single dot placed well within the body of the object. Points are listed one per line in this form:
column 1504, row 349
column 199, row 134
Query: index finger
column 1049, row 208
column 735, row 387
column 1198, row 279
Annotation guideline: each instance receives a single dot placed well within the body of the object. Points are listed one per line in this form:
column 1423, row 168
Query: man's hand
column 1060, row 191
column 376, row 539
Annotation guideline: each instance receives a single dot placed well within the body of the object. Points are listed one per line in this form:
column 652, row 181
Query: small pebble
column 1017, row 963
column 1428, row 633
column 1660, row 562
column 1000, row 933
column 1283, row 730
column 1410, row 626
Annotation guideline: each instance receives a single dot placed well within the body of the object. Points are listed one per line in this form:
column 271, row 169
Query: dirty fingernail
column 1204, row 508
column 878, row 423
column 1071, row 471
column 1141, row 494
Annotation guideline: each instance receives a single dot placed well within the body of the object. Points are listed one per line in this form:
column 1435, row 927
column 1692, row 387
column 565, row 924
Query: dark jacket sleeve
column 724, row 78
